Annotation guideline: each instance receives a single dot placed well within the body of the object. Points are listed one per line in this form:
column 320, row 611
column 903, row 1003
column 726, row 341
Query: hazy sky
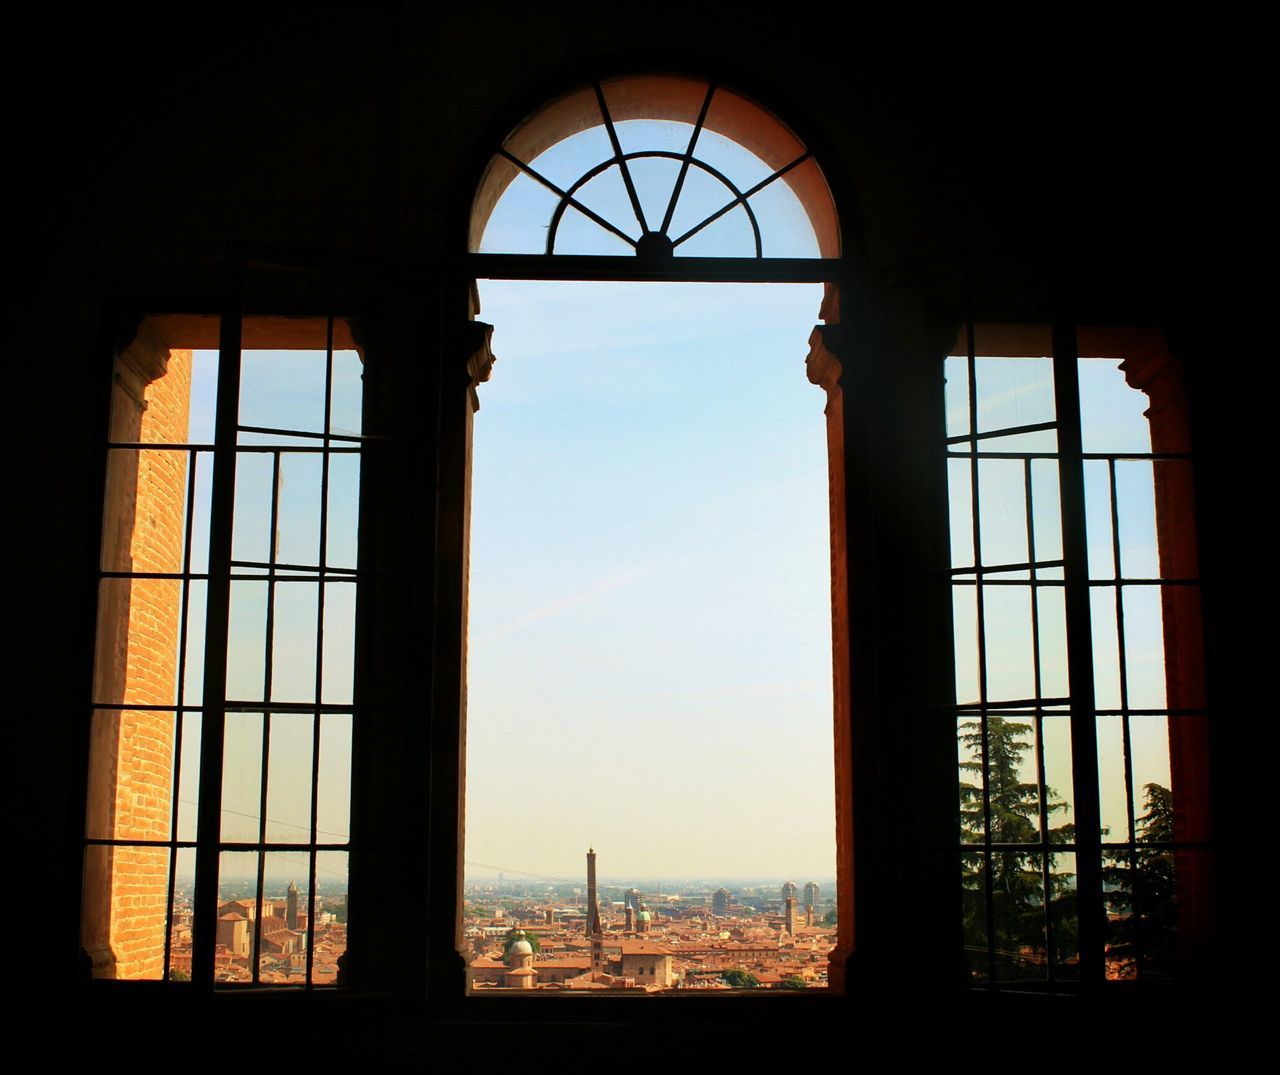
column 650, row 624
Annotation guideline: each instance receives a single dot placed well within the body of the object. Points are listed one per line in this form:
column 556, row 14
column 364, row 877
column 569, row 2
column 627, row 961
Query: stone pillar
column 1151, row 368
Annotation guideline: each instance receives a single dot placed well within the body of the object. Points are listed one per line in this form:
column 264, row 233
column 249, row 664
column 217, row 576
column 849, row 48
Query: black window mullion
column 1084, row 731
column 218, row 603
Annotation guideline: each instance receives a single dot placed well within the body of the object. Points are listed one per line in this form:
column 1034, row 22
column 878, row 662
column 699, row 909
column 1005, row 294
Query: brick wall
column 131, row 778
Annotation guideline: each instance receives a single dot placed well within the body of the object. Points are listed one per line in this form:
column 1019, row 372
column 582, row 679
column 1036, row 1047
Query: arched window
column 646, row 179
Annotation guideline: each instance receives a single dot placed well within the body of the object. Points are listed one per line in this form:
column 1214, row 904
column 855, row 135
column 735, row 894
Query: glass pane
column 606, row 195
column 283, row 389
column 333, row 808
column 973, row 885
column 1112, row 414
column 344, row 510
column 784, row 225
column 566, row 161
column 1063, row 915
column 1002, row 502
column 1046, row 509
column 346, row 403
column 145, row 513
column 184, row 890
column 204, row 397
column 130, row 795
column 1012, row 780
column 579, row 234
column 959, row 489
column 247, row 641
column 136, row 658
column 1120, row 934
column 1014, row 392
column 518, row 224
column 298, row 525
column 1018, row 911
column 730, row 236
column 293, row 645
column 964, row 603
column 1051, row 612
column 193, row 675
column 1056, row 735
column 957, row 381
column 286, row 906
column 339, row 642
column 251, row 537
column 701, row 195
column 1136, row 505
column 242, row 778
column 1144, row 647
column 1097, row 511
column 125, row 918
column 237, row 913
column 331, row 916
column 202, row 496
column 289, row 778
column 973, row 826
column 1152, row 799
column 1112, row 791
column 189, row 777
column 1038, row 441
column 1010, row 667
column 1106, row 648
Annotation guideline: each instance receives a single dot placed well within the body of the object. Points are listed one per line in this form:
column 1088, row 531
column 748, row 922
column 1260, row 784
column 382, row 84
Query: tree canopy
column 515, row 935
column 1029, row 897
column 740, row 979
column 1139, row 894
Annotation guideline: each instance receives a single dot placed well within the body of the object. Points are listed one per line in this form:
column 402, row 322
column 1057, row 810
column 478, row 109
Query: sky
column 650, row 627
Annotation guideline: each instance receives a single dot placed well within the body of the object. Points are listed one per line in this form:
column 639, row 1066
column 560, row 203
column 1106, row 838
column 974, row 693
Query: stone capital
column 480, row 358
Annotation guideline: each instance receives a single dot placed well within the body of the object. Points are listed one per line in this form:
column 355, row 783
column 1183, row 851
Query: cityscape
column 564, row 936
column 281, row 937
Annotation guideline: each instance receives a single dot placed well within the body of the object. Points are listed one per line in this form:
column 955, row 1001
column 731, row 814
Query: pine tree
column 1017, row 881
column 1140, row 900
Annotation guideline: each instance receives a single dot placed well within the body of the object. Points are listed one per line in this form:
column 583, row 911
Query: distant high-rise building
column 811, row 895
column 788, row 891
column 631, row 898
column 720, row 901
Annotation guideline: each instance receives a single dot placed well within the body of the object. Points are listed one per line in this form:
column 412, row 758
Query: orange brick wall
column 131, row 784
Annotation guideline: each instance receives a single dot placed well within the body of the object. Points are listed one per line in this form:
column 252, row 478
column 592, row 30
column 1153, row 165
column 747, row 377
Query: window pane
column 289, row 778
column 242, row 778
column 283, row 389
column 333, row 819
column 331, row 916
column 1002, row 501
column 1010, row 667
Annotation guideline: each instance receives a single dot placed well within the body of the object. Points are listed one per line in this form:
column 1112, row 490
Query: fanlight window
column 655, row 166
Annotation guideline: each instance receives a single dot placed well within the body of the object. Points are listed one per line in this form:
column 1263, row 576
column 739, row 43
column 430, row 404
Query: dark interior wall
column 1107, row 166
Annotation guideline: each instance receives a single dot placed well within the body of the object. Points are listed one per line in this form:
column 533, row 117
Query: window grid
column 1114, row 914
column 1003, row 857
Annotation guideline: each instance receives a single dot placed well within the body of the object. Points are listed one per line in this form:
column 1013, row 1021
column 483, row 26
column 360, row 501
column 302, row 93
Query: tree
column 1140, row 897
column 516, row 935
column 793, row 981
column 740, row 979
column 1019, row 900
